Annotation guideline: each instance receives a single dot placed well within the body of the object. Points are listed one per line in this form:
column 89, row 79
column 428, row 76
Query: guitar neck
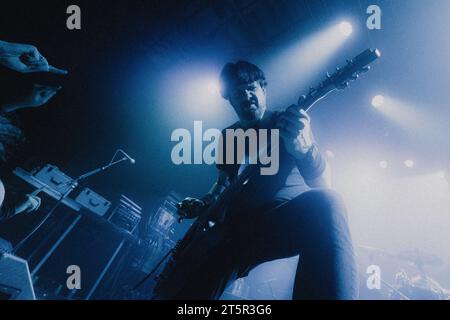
column 314, row 96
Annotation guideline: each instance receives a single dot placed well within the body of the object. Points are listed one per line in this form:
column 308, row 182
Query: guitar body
column 187, row 259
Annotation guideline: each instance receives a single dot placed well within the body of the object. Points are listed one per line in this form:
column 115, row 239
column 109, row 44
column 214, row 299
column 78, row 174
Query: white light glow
column 395, row 212
column 345, row 28
column 213, row 88
column 330, row 154
column 377, row 101
column 297, row 65
column 441, row 174
column 409, row 163
column 383, row 164
column 413, row 119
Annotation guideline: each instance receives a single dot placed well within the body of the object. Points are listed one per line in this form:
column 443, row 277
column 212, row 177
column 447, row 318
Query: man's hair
column 241, row 72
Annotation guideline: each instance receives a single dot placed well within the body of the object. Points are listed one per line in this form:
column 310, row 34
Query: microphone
column 128, row 157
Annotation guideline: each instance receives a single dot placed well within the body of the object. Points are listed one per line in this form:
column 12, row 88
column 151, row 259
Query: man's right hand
column 191, row 208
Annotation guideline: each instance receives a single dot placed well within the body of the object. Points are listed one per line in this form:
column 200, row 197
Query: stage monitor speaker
column 15, row 280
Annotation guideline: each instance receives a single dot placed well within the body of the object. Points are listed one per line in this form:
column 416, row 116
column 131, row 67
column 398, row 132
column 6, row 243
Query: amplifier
column 126, row 215
column 15, row 280
column 55, row 178
column 93, row 202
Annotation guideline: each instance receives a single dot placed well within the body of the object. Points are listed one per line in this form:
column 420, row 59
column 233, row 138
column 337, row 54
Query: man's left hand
column 295, row 131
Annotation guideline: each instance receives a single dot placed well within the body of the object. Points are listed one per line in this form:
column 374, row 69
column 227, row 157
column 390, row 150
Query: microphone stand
column 73, row 184
column 95, row 171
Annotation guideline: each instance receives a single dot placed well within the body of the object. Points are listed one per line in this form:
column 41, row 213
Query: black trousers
column 313, row 226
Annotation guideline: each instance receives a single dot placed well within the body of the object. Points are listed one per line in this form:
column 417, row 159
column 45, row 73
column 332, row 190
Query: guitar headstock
column 342, row 77
column 356, row 66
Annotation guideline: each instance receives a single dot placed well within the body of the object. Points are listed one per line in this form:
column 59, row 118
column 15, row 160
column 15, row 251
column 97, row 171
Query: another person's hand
column 25, row 58
column 191, row 208
column 35, row 96
column 32, row 203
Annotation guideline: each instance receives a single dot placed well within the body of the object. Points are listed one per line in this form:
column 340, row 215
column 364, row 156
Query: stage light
column 213, row 88
column 345, row 28
column 412, row 119
column 383, row 164
column 298, row 64
column 377, row 101
column 409, row 164
column 197, row 95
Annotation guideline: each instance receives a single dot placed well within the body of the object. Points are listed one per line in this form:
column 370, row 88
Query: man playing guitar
column 274, row 216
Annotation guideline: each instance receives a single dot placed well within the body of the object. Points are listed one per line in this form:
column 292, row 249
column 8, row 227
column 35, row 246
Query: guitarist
column 275, row 216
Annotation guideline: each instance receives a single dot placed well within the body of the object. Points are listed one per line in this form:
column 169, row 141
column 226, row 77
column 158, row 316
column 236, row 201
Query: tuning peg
column 343, row 85
column 328, row 75
column 349, row 61
column 365, row 69
column 355, row 76
column 301, row 99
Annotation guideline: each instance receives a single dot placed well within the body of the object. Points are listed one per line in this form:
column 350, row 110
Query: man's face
column 249, row 101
